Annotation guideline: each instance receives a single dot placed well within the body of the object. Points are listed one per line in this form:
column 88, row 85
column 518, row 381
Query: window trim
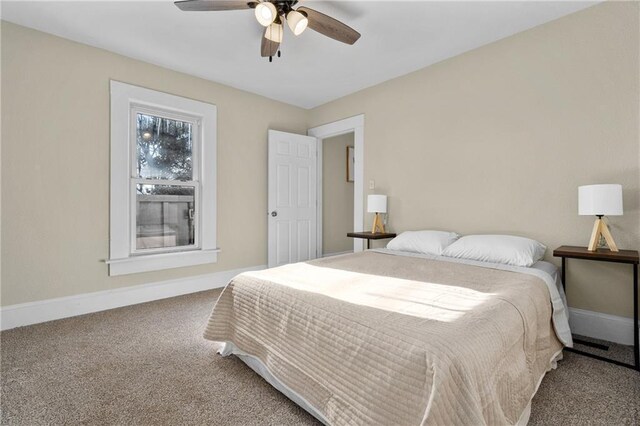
column 123, row 258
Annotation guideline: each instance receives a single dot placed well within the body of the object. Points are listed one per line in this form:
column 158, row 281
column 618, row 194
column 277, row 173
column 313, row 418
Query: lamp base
column 601, row 228
column 378, row 225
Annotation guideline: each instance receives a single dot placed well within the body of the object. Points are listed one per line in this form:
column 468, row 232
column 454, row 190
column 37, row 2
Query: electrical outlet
column 372, row 184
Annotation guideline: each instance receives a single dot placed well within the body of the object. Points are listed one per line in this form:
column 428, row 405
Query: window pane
column 164, row 148
column 165, row 216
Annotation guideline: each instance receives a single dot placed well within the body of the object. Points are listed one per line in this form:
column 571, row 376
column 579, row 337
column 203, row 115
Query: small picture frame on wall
column 351, row 159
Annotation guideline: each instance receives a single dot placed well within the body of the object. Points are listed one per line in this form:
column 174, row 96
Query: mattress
column 382, row 338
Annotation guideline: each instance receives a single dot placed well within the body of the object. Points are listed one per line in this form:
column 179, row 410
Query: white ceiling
column 397, row 37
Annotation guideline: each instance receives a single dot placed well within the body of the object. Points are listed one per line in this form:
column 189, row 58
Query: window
column 164, row 181
column 163, row 194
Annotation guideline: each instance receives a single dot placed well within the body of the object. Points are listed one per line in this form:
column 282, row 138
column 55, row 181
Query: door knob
column 274, row 213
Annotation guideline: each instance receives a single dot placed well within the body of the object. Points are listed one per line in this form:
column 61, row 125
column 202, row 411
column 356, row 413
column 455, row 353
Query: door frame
column 353, row 125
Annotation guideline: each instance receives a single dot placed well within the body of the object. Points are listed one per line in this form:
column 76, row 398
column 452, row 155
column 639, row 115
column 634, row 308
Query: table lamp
column 377, row 204
column 600, row 200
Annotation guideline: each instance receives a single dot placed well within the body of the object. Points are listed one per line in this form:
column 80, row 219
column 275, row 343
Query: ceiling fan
column 272, row 14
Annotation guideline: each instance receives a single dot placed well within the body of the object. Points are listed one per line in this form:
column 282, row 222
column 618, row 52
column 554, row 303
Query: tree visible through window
column 164, row 148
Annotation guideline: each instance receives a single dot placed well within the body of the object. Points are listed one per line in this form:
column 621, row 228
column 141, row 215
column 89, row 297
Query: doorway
column 337, row 194
column 353, row 126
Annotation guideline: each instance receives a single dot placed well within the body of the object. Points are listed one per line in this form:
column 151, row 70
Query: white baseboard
column 63, row 307
column 586, row 323
column 601, row 326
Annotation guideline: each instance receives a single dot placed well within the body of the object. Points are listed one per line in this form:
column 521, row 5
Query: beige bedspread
column 372, row 339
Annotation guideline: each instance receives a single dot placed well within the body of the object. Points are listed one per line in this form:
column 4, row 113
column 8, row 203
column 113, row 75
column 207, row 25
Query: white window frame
column 195, row 122
column 124, row 258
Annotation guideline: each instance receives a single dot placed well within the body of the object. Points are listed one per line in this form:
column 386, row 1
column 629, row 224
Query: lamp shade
column 297, row 22
column 596, row 200
column 274, row 32
column 377, row 204
column 266, row 13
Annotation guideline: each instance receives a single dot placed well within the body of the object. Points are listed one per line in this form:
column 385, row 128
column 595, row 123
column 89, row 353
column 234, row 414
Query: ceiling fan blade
column 268, row 47
column 330, row 27
column 212, row 5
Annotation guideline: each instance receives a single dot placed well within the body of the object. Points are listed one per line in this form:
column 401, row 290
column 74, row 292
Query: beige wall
column 494, row 140
column 55, row 165
column 0, row 166
column 497, row 140
column 337, row 195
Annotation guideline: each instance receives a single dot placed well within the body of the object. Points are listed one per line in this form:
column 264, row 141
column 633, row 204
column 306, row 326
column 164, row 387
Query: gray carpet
column 148, row 364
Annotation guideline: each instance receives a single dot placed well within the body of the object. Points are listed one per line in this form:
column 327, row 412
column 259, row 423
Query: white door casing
column 292, row 198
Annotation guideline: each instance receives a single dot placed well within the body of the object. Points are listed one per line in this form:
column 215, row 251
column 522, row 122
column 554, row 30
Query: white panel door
column 292, row 198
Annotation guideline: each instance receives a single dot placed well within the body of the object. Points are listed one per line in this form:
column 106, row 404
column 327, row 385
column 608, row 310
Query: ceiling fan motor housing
column 284, row 6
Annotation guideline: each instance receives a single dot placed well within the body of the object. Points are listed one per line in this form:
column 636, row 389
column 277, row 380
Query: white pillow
column 507, row 249
column 425, row 242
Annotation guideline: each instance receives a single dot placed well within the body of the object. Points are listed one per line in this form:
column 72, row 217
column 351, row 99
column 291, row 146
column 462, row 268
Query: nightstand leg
column 563, row 274
column 636, row 344
column 368, row 244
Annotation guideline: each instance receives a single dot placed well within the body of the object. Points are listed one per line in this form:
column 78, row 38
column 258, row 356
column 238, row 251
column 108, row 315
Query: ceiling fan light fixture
column 297, row 22
column 266, row 13
column 274, row 32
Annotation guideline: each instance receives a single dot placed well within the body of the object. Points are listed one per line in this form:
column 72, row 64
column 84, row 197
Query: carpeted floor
column 148, row 364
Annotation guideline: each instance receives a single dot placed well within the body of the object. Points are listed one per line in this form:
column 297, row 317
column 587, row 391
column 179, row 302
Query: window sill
column 158, row 262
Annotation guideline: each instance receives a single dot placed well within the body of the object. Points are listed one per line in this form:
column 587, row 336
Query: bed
column 389, row 337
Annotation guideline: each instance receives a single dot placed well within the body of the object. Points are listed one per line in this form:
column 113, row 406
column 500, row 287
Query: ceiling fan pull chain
column 270, row 58
column 279, row 53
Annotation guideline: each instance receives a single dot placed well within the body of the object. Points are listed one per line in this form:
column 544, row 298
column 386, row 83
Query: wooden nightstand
column 371, row 236
column 603, row 255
